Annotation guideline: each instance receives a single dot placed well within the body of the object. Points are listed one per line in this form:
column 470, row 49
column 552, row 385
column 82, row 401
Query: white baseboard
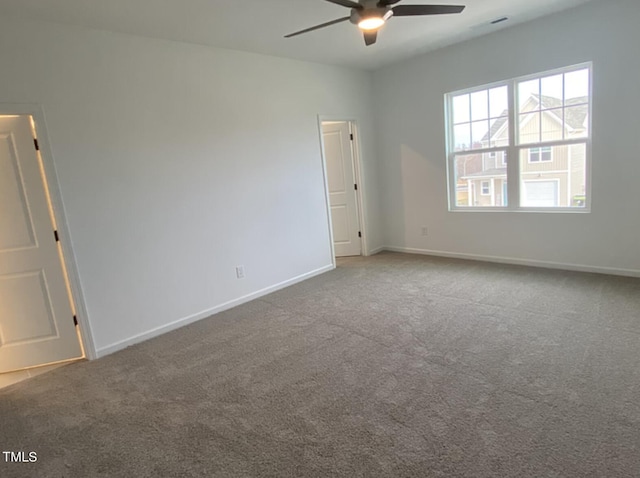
column 376, row 250
column 517, row 261
column 109, row 349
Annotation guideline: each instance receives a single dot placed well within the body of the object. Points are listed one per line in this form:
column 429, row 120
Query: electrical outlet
column 240, row 272
column 425, row 231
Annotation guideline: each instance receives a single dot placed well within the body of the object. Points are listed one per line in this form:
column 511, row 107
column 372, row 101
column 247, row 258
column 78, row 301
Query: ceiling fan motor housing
column 370, row 8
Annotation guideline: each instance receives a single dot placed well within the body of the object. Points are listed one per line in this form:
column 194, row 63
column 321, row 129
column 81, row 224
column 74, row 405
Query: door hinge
column 355, row 186
column 351, row 136
column 55, row 234
column 35, row 143
column 359, row 233
column 75, row 320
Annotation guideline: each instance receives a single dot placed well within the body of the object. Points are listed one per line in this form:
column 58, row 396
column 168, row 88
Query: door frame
column 37, row 112
column 356, row 149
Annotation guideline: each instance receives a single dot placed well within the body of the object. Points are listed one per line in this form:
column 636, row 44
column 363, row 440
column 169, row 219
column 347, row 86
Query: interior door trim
column 359, row 178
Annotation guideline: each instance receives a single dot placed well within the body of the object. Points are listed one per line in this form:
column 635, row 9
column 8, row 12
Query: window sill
column 564, row 210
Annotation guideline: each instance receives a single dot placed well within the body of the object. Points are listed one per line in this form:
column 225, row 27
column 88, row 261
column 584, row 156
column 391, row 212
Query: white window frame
column 512, row 152
column 482, row 183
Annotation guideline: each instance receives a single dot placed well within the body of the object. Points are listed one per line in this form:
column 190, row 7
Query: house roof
column 496, row 126
column 574, row 117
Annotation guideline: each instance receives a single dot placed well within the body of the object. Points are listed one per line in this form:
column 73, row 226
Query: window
column 540, row 155
column 533, row 132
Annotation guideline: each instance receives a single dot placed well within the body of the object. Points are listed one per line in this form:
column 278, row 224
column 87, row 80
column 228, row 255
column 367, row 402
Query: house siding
column 567, row 165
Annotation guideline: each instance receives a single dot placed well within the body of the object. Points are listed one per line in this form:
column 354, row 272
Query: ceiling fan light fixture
column 373, row 20
column 371, row 23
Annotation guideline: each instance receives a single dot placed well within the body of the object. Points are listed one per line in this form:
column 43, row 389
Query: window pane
column 499, row 131
column 461, row 109
column 479, row 134
column 529, row 128
column 576, row 87
column 498, row 102
column 481, row 180
column 479, row 105
column 552, row 121
column 577, row 183
column 528, row 93
column 552, row 89
column 549, row 102
column 577, row 121
column 553, row 176
column 462, row 137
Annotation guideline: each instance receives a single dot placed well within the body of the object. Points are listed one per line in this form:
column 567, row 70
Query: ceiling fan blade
column 317, row 27
column 413, row 10
column 384, row 3
column 346, row 3
column 370, row 37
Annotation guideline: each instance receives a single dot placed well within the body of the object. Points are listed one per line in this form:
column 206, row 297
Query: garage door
column 540, row 194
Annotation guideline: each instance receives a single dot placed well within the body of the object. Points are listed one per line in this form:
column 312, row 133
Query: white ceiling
column 259, row 25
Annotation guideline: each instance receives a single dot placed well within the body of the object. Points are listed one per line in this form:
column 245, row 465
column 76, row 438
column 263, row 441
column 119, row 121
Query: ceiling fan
column 370, row 15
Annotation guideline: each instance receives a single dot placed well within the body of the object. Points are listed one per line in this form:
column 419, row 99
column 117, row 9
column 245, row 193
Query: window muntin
column 550, row 116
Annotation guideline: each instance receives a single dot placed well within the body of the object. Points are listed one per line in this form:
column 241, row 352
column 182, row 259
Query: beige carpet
column 394, row 365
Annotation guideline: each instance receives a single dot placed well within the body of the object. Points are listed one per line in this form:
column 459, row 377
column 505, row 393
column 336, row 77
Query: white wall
column 411, row 142
column 178, row 162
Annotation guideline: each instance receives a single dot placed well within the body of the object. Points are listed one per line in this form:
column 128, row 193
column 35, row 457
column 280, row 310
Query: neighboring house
column 551, row 176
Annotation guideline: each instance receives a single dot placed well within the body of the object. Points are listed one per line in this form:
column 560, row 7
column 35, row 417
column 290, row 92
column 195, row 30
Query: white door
column 36, row 319
column 342, row 189
column 540, row 193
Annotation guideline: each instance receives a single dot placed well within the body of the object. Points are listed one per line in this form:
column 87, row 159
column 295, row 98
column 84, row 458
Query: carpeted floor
column 393, row 365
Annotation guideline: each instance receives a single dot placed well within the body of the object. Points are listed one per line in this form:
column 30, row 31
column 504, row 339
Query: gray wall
column 411, row 143
column 178, row 162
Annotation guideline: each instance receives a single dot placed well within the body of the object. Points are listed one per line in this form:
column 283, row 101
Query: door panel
column 16, row 230
column 335, row 170
column 41, row 325
column 36, row 318
column 340, row 223
column 342, row 194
